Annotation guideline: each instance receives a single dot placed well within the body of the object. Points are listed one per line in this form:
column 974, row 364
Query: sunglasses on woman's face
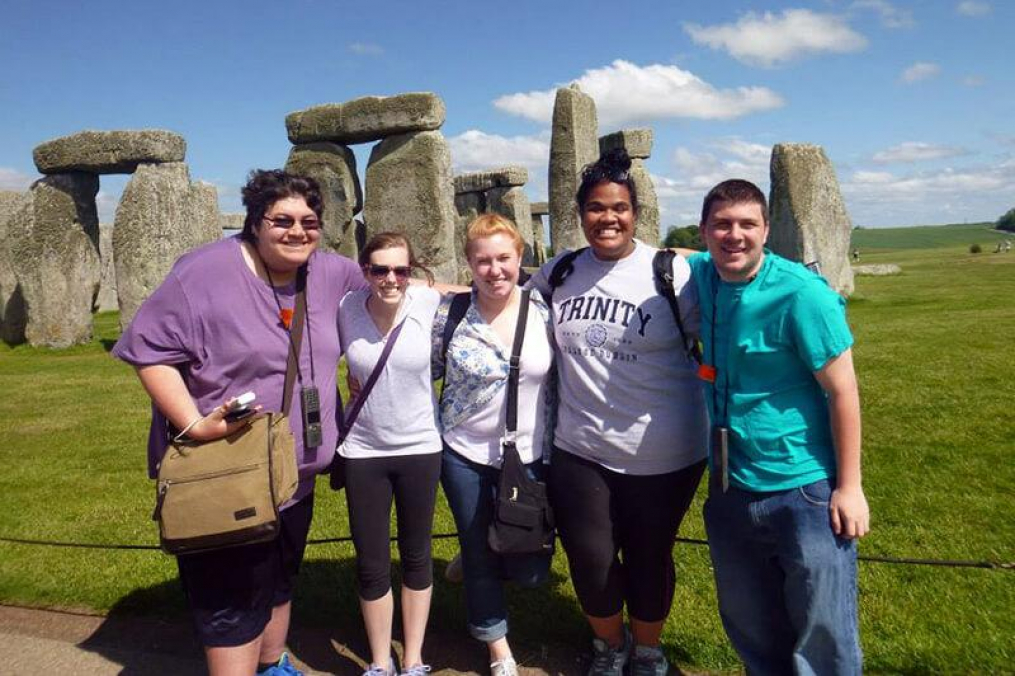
column 401, row 272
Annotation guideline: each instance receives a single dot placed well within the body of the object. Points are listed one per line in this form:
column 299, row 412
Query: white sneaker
column 382, row 671
column 504, row 667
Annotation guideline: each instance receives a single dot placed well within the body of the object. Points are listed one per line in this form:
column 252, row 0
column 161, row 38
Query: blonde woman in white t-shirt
column 473, row 409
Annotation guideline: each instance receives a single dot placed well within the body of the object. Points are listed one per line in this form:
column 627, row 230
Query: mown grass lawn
column 935, row 361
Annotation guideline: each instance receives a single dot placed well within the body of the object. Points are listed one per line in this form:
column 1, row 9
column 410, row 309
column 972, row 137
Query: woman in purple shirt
column 218, row 326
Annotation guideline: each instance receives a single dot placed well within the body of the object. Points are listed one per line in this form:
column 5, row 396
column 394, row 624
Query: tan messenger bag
column 227, row 492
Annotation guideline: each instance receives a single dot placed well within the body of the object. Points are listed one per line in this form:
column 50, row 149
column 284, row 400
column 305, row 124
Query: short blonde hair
column 488, row 225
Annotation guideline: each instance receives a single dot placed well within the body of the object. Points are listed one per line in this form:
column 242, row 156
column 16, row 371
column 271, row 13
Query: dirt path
column 54, row 642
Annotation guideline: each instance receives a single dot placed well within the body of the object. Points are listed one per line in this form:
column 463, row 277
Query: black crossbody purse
column 523, row 520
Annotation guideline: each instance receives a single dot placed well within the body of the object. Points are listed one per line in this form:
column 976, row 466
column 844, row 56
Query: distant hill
column 927, row 237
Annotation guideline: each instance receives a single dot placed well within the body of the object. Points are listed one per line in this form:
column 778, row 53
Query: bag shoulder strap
column 456, row 312
column 295, row 338
column 662, row 272
column 514, row 368
column 357, row 404
column 562, row 269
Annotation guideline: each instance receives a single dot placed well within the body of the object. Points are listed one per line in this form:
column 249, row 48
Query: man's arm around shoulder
column 850, row 514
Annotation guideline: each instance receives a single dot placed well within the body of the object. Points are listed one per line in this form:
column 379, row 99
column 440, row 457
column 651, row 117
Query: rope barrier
column 907, row 561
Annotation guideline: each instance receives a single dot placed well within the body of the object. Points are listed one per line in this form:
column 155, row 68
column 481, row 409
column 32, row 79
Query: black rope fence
column 904, row 561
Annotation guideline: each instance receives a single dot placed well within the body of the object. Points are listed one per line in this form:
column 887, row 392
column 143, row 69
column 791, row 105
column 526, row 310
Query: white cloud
column 921, row 70
column 365, row 49
column 768, row 39
column 12, row 179
column 625, row 92
column 891, row 16
column 105, row 204
column 974, row 80
column 916, row 151
column 697, row 171
column 973, row 8
column 475, row 150
column 882, row 198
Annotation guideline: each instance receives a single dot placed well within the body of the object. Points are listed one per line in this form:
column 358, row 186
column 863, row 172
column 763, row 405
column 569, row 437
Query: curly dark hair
column 266, row 186
column 613, row 166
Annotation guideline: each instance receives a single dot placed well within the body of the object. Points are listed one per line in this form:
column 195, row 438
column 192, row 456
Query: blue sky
column 912, row 100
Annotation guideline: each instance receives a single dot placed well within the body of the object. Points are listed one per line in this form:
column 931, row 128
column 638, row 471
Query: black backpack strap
column 456, row 312
column 514, row 370
column 562, row 269
column 662, row 272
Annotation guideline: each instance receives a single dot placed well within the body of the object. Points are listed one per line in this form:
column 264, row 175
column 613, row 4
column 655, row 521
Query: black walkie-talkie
column 313, row 434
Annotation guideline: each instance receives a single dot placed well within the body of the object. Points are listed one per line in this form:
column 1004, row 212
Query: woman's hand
column 215, row 426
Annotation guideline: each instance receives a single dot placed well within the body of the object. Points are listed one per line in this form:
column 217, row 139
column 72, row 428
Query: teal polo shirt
column 765, row 339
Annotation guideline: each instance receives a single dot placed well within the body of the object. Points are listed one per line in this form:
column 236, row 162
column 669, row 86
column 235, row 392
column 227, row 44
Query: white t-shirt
column 475, row 347
column 399, row 415
column 630, row 398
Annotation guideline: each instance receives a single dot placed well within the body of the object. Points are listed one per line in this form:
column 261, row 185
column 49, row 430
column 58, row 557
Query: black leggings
column 370, row 484
column 618, row 531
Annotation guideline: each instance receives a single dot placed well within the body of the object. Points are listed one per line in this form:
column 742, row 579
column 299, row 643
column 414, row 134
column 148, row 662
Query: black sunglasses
column 382, row 271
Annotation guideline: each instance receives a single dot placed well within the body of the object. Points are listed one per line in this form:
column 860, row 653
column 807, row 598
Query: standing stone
column 647, row 227
column 56, row 258
column 468, row 205
column 574, row 143
column 638, row 144
column 409, row 190
column 370, row 118
column 12, row 302
column 538, row 240
column 512, row 203
column 333, row 166
column 539, row 209
column 106, row 299
column 481, row 181
column 231, row 222
column 108, row 152
column 161, row 216
column 808, row 217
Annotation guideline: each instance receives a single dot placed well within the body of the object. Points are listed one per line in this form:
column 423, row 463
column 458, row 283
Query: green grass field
column 870, row 240
column 935, row 357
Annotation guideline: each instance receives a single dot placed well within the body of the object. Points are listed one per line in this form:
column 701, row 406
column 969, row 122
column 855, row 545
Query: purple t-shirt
column 216, row 321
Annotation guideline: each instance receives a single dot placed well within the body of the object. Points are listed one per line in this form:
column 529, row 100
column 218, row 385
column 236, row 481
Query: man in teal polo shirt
column 785, row 504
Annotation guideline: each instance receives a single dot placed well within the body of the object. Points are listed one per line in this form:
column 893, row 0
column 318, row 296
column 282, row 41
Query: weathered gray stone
column 540, row 208
column 574, row 143
column 882, row 270
column 108, row 152
column 333, row 166
column 56, row 258
column 367, row 119
column 808, row 217
column 647, row 227
column 106, row 300
column 538, row 239
column 12, row 301
column 468, row 205
column 409, row 190
column 481, row 181
column 161, row 216
column 231, row 221
column 513, row 204
column 638, row 142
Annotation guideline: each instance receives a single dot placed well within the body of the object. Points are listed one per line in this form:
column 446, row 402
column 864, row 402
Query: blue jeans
column 470, row 489
column 786, row 583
